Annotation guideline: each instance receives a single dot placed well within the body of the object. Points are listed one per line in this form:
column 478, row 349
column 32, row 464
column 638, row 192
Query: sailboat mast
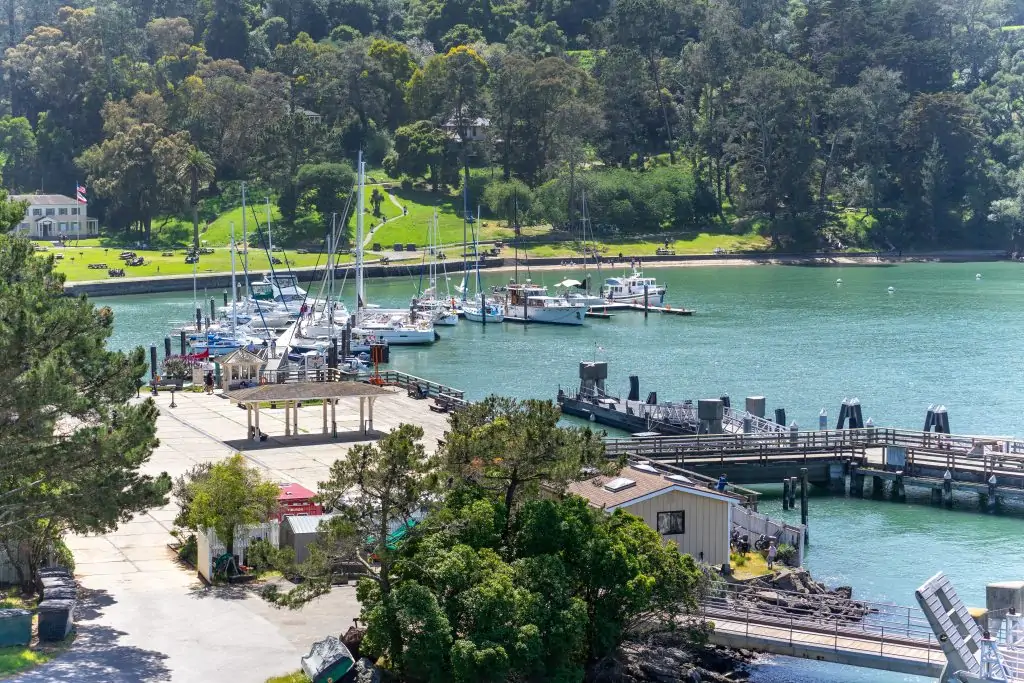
column 515, row 230
column 360, row 210
column 234, row 287
column 245, row 241
column 586, row 277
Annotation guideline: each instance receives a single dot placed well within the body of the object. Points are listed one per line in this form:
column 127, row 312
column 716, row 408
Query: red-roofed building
column 297, row 501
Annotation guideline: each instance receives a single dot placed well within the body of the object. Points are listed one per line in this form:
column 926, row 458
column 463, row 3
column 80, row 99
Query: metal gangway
column 861, row 633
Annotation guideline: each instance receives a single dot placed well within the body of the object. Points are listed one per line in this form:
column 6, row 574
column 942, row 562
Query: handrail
column 868, row 436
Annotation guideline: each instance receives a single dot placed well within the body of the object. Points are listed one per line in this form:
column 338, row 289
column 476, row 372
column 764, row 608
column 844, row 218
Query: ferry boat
column 532, row 303
column 630, row 290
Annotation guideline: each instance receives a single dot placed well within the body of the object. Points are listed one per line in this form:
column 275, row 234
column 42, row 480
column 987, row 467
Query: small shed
column 298, row 532
column 697, row 519
column 296, row 500
column 239, row 369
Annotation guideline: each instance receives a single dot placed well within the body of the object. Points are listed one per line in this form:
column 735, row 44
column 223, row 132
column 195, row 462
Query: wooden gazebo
column 290, row 395
column 240, row 367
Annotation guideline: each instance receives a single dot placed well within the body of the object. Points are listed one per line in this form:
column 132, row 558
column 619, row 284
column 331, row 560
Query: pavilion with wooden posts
column 292, row 395
column 240, row 368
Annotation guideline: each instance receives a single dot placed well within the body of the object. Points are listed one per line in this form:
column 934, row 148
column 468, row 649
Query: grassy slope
column 297, row 677
column 412, row 227
column 704, row 243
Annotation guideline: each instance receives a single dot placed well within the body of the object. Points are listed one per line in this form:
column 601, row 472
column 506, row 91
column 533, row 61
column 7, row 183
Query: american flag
column 80, row 194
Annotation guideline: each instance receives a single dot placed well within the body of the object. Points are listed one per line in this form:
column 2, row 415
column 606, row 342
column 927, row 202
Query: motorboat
column 571, row 291
column 491, row 313
column 278, row 288
column 532, row 303
column 631, row 289
column 397, row 330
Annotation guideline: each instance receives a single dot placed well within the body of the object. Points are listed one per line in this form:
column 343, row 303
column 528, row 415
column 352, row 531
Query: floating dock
column 623, row 306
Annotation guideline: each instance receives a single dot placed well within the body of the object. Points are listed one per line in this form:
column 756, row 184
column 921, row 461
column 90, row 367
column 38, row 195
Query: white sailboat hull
column 551, row 315
column 474, row 315
column 402, row 337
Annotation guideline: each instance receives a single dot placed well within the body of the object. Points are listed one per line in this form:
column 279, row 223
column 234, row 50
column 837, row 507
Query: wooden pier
column 992, row 468
column 623, row 306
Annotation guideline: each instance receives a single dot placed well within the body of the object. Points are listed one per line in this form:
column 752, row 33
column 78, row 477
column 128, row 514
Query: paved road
column 144, row 619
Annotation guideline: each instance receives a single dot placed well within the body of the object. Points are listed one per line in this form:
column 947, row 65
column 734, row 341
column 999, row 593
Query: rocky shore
column 668, row 658
column 794, row 593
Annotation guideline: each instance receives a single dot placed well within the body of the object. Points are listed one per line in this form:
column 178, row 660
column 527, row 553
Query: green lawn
column 704, row 243
column 412, row 227
column 75, row 263
column 218, row 232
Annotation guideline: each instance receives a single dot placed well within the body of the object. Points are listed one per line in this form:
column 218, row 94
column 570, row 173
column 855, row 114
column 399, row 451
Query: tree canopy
column 74, row 442
column 885, row 123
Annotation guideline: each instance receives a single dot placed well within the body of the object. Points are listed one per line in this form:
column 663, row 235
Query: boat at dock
column 491, row 313
column 634, row 289
column 283, row 287
column 572, row 291
column 592, row 402
column 532, row 303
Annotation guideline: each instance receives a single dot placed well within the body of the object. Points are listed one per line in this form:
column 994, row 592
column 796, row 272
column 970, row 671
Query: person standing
column 772, row 552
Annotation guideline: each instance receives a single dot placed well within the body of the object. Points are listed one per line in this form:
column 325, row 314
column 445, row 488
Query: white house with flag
column 53, row 216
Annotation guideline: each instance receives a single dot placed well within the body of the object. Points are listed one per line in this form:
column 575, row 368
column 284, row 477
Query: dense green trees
column 787, row 114
column 73, row 444
column 501, row 578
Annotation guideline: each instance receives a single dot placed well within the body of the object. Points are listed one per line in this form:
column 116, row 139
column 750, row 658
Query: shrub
column 786, row 554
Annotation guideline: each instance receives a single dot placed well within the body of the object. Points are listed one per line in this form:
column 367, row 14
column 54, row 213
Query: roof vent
column 619, row 484
column 645, row 466
column 679, row 479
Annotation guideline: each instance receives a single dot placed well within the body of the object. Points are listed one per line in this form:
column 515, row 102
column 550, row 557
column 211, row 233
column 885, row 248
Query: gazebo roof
column 305, row 391
column 241, row 357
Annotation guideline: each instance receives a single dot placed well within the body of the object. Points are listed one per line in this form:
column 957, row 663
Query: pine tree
column 73, row 443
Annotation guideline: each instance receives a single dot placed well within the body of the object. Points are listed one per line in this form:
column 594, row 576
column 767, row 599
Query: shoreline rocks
column 793, row 592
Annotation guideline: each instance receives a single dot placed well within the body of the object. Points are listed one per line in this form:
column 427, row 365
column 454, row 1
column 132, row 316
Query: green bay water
column 796, row 336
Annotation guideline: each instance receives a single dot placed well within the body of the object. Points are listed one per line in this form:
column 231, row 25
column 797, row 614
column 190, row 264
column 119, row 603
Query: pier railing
column 453, row 398
column 868, row 437
column 886, row 627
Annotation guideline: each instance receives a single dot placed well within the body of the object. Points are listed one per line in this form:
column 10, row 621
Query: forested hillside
column 882, row 123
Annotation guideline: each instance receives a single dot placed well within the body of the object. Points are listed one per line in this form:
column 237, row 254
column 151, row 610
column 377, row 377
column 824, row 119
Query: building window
column 74, row 211
column 37, row 212
column 74, row 226
column 671, row 523
column 49, row 212
column 63, row 227
column 62, row 212
column 24, row 226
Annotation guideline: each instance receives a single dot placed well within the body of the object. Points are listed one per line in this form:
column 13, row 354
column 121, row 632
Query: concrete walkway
column 145, row 619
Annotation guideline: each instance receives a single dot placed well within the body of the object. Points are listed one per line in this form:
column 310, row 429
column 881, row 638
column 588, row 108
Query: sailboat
column 399, row 327
column 575, row 291
column 443, row 310
column 479, row 310
column 220, row 342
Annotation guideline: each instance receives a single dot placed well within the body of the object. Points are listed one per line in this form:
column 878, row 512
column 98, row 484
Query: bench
column 419, row 392
column 167, row 384
column 438, row 406
column 115, row 272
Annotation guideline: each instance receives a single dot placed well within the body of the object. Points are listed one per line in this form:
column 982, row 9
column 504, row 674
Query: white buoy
column 978, row 276
column 892, row 289
column 839, row 280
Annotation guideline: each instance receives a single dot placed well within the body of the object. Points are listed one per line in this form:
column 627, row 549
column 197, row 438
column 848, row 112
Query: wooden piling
column 803, row 499
column 936, row 496
column 167, row 347
column 181, row 339
column 213, row 311
column 877, row 487
column 785, row 494
column 225, row 297
column 899, row 493
column 792, row 493
column 646, row 303
column 947, row 493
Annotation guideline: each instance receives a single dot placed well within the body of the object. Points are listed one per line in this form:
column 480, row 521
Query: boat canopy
column 569, row 283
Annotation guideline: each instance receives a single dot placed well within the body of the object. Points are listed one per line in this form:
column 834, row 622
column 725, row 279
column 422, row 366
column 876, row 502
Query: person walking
column 209, row 382
column 772, row 552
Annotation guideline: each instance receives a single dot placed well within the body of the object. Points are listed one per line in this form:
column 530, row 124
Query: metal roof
column 305, row 391
column 43, row 199
column 306, row 524
column 644, row 485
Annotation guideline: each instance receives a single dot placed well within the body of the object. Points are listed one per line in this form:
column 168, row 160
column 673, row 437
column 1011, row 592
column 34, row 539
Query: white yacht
column 278, row 288
column 630, row 289
column 396, row 327
column 570, row 290
column 532, row 303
